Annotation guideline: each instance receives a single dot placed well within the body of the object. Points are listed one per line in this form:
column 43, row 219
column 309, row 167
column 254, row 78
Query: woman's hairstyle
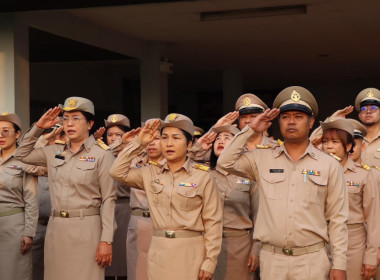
column 344, row 137
column 124, row 128
column 188, row 136
column 89, row 117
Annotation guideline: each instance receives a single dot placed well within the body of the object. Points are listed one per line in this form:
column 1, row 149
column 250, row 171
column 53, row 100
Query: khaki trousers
column 38, row 253
column 313, row 266
column 357, row 239
column 140, row 232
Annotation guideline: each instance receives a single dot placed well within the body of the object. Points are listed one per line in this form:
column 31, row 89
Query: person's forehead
column 114, row 129
column 171, row 130
column 74, row 113
column 294, row 112
column 224, row 133
column 6, row 124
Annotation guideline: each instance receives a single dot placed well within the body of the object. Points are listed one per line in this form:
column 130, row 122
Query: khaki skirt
column 175, row 258
column 70, row 248
column 13, row 265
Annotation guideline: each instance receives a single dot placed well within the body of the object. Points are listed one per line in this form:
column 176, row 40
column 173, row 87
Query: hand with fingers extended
column 263, row 121
column 52, row 136
column 227, row 119
column 130, row 135
column 316, row 141
column 50, row 118
column 99, row 133
column 207, row 140
column 343, row 112
column 147, row 133
column 104, row 254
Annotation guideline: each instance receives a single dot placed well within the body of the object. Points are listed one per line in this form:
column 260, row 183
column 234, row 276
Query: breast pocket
column 377, row 154
column 315, row 186
column 188, row 198
column 156, row 194
column 85, row 170
column 273, row 185
column 240, row 193
column 14, row 177
column 353, row 190
column 55, row 169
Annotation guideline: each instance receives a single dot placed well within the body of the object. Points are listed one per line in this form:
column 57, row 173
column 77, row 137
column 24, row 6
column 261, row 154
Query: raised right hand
column 207, row 140
column 227, row 119
column 130, row 135
column 263, row 121
column 146, row 134
column 50, row 118
column 343, row 112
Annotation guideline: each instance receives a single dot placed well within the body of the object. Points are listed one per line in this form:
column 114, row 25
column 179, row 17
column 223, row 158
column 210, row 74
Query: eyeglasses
column 74, row 119
column 6, row 132
column 372, row 108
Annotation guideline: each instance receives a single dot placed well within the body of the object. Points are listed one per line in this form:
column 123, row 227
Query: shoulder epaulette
column 267, row 146
column 280, row 142
column 376, row 167
column 154, row 163
column 102, row 144
column 61, row 142
column 336, row 157
column 202, row 167
column 365, row 166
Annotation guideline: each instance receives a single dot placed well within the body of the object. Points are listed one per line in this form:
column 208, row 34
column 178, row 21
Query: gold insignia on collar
column 73, row 102
column 365, row 166
column 61, row 142
column 154, row 163
column 264, row 146
column 247, row 101
column 376, row 167
column 332, row 120
column 5, row 114
column 370, row 93
column 172, row 117
column 280, row 142
column 102, row 144
column 202, row 167
column 114, row 119
column 295, row 96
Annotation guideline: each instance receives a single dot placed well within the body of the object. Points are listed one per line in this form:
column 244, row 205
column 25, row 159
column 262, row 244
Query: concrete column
column 232, row 88
column 154, row 84
column 14, row 68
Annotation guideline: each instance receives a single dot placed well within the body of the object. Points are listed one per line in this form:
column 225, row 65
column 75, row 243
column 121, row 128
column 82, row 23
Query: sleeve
column 30, row 196
column 108, row 191
column 121, row 169
column 234, row 161
column 27, row 153
column 117, row 146
column 336, row 214
column 197, row 153
column 212, row 213
column 371, row 213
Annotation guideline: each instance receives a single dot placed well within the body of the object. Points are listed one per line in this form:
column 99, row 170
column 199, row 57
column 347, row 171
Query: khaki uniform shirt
column 173, row 206
column 371, row 154
column 18, row 189
column 363, row 205
column 78, row 181
column 264, row 141
column 296, row 209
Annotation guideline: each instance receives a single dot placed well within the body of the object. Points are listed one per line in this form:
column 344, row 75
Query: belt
column 122, row 200
column 75, row 213
column 43, row 222
column 354, row 226
column 231, row 232
column 140, row 212
column 294, row 251
column 176, row 234
column 11, row 212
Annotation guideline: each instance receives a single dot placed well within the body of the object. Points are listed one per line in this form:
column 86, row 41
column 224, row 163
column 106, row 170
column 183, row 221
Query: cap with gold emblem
column 179, row 121
column 359, row 130
column 198, row 131
column 249, row 104
column 148, row 120
column 368, row 96
column 296, row 98
column 11, row 117
column 338, row 123
column 226, row 128
column 117, row 119
column 78, row 104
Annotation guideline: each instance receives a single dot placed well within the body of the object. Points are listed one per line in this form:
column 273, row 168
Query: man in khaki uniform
column 302, row 195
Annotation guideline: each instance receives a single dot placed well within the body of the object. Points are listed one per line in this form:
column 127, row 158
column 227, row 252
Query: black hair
column 16, row 127
column 213, row 157
column 122, row 127
column 188, row 136
column 89, row 117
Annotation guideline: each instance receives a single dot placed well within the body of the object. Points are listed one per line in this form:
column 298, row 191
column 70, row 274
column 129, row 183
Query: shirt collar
column 310, row 150
column 186, row 166
column 350, row 164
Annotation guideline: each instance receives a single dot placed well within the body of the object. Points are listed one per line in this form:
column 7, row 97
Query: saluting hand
column 204, row 275
column 50, row 118
column 263, row 121
column 26, row 244
column 146, row 134
column 130, row 135
column 316, row 141
column 227, row 119
column 368, row 271
column 99, row 133
column 104, row 254
column 206, row 140
column 343, row 112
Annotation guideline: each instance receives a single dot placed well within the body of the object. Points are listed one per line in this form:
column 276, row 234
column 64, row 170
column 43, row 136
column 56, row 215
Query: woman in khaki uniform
column 338, row 139
column 78, row 239
column 183, row 202
column 18, row 205
column 240, row 204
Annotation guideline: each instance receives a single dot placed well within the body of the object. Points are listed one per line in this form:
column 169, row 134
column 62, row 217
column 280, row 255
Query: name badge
column 276, row 170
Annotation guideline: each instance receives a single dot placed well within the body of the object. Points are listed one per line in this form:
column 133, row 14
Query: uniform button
column 290, row 233
column 291, row 200
column 223, row 193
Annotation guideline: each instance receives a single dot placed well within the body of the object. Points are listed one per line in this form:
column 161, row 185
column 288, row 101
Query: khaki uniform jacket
column 19, row 189
column 371, row 155
column 296, row 209
column 195, row 206
column 363, row 205
column 76, row 182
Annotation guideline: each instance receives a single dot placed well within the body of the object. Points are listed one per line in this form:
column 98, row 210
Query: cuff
column 340, row 263
column 208, row 265
column 29, row 232
column 370, row 258
column 256, row 247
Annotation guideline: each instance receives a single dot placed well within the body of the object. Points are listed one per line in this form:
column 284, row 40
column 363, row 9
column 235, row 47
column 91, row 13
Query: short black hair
column 188, row 136
column 16, row 127
column 89, row 117
column 122, row 127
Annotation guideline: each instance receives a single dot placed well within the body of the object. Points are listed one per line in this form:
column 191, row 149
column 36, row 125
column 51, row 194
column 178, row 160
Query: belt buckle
column 288, row 252
column 146, row 214
column 64, row 214
column 170, row 234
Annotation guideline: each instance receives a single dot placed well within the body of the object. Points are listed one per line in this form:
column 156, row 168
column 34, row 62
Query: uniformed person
column 239, row 198
column 115, row 126
column 183, row 203
column 367, row 104
column 198, row 132
column 18, row 205
column 363, row 235
column 302, row 196
column 78, row 239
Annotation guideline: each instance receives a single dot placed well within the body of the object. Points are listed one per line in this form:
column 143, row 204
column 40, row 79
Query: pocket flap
column 57, row 162
column 156, row 188
column 319, row 180
column 242, row 187
column 187, row 191
column 85, row 165
column 13, row 171
column 273, row 177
